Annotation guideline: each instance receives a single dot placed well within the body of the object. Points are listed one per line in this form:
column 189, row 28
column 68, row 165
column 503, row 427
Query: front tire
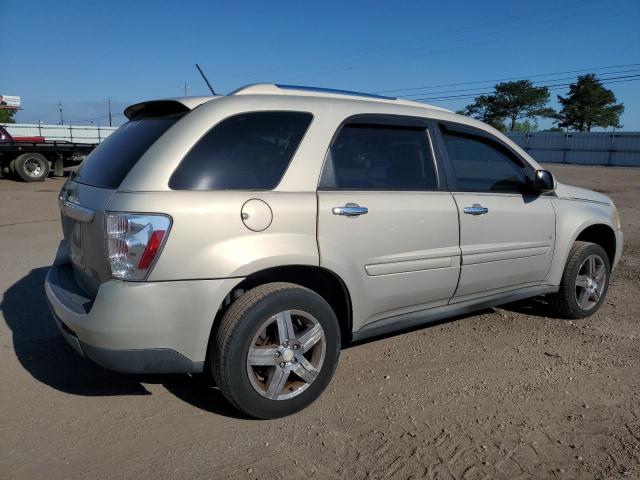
column 32, row 167
column 584, row 283
column 275, row 350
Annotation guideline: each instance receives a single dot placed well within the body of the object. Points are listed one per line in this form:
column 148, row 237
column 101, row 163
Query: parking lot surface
column 506, row 393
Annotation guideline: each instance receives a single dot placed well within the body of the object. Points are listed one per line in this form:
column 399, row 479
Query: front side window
column 380, row 157
column 250, row 151
column 482, row 165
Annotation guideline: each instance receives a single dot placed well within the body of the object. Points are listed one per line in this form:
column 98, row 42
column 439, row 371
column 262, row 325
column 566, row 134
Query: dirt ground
column 503, row 394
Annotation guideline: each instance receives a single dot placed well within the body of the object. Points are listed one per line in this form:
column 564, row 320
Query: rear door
column 507, row 234
column 84, row 198
column 385, row 225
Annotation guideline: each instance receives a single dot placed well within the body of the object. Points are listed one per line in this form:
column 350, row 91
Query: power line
column 476, row 94
column 443, row 37
column 536, row 83
column 409, row 96
column 508, row 31
column 620, row 79
column 522, row 77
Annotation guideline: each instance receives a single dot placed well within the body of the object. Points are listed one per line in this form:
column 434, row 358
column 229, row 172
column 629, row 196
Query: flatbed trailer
column 32, row 159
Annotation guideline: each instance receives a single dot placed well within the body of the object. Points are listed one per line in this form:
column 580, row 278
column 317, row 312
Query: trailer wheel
column 32, row 167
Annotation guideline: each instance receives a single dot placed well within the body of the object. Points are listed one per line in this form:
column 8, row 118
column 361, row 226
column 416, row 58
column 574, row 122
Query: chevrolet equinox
column 250, row 236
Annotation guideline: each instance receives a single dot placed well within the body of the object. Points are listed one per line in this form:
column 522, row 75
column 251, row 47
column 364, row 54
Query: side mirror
column 544, row 181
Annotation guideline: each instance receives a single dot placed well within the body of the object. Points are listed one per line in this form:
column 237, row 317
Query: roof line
column 282, row 89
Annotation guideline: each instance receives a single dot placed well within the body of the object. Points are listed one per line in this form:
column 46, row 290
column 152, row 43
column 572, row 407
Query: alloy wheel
column 590, row 281
column 286, row 355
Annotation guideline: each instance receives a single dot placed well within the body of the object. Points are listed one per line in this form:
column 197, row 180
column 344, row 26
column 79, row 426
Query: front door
column 507, row 234
column 384, row 224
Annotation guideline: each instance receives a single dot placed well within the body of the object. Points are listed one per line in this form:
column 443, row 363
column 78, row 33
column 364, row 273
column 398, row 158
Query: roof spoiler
column 155, row 108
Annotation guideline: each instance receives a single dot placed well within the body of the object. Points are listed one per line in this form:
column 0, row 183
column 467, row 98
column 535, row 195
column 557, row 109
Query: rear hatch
column 84, row 198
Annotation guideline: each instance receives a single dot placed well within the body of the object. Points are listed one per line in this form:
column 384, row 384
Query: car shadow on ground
column 43, row 353
column 537, row 307
column 41, row 350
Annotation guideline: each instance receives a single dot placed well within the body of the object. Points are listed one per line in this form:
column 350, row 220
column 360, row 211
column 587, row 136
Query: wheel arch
column 600, row 234
column 322, row 281
column 582, row 221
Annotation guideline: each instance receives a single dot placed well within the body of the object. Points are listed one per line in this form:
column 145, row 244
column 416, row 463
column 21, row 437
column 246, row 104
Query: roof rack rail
column 334, row 91
column 282, row 89
column 277, row 87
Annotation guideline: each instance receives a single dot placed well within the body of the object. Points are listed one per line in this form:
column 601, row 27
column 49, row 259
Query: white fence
column 585, row 148
column 71, row 133
column 591, row 148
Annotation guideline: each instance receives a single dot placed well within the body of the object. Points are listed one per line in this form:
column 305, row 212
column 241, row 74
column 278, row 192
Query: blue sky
column 80, row 52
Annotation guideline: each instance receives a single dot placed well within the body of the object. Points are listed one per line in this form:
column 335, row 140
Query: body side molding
column 423, row 317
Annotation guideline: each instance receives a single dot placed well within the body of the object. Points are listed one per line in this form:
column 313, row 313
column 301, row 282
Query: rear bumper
column 137, row 327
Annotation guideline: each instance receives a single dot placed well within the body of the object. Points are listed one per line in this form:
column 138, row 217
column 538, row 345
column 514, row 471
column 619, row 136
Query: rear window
column 250, row 151
column 108, row 164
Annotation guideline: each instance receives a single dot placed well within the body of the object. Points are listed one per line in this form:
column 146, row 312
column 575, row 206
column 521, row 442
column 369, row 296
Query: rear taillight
column 134, row 242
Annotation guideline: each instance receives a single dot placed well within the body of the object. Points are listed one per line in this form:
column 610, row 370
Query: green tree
column 521, row 100
column 6, row 116
column 512, row 101
column 589, row 105
column 527, row 126
column 483, row 108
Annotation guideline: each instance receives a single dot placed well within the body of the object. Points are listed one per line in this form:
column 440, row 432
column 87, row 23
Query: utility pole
column 60, row 108
column 109, row 111
column 185, row 88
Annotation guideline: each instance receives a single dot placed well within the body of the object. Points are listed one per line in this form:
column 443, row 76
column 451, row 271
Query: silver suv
column 250, row 236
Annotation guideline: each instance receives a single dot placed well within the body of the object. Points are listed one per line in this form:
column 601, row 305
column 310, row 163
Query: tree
column 513, row 101
column 526, row 127
column 521, row 100
column 6, row 116
column 483, row 109
column 589, row 105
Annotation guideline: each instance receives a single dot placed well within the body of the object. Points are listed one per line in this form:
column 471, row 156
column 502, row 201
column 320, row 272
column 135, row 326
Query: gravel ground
column 507, row 393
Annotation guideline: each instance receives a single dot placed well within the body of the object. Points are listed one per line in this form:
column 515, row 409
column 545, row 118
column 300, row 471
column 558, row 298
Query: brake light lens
column 134, row 241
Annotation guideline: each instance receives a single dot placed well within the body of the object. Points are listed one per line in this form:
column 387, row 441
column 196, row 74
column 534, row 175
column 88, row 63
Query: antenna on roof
column 205, row 79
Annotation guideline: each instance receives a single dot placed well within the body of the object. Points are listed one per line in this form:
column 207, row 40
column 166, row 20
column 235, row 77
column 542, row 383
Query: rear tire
column 585, row 281
column 32, row 167
column 275, row 350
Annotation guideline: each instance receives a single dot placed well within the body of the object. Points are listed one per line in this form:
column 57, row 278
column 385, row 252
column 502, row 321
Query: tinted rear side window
column 108, row 164
column 376, row 157
column 250, row 151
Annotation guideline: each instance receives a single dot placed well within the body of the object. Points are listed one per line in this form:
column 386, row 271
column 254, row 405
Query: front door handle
column 476, row 209
column 350, row 210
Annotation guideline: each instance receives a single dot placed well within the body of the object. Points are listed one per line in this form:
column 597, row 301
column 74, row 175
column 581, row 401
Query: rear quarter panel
column 208, row 238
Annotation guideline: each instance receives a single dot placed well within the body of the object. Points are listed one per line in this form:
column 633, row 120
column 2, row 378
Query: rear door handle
column 476, row 209
column 350, row 210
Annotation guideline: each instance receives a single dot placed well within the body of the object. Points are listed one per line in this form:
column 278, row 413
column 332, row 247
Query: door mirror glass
column 545, row 181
